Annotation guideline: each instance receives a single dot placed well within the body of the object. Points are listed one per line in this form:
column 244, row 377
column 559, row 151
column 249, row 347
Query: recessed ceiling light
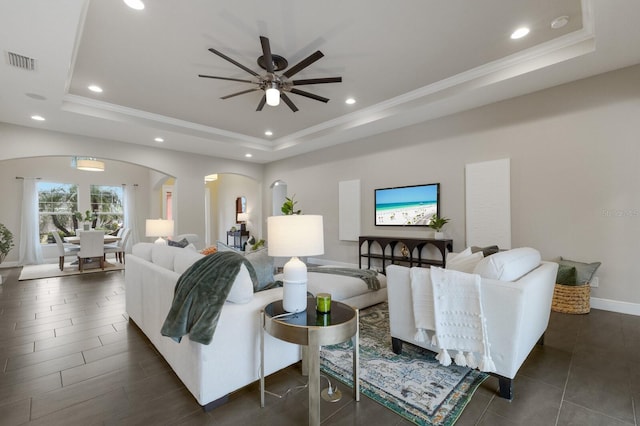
column 519, row 33
column 248, row 155
column 134, row 4
column 268, row 133
column 159, row 140
column 95, row 88
column 559, row 22
column 37, row 117
column 350, row 101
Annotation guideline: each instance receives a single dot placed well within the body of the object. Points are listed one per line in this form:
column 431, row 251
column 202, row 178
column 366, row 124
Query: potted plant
column 6, row 242
column 88, row 218
column 289, row 205
column 437, row 223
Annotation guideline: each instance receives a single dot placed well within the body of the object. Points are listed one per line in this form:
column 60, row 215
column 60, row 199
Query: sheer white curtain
column 130, row 220
column 30, row 248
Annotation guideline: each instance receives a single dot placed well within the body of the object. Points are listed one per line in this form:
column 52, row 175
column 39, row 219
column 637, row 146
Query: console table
column 237, row 237
column 414, row 246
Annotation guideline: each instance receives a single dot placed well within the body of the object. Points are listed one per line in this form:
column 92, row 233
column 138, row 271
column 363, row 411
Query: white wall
column 575, row 174
column 230, row 187
column 188, row 169
column 57, row 169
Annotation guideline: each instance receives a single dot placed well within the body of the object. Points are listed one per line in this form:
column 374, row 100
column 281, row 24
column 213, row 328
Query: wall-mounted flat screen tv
column 407, row 205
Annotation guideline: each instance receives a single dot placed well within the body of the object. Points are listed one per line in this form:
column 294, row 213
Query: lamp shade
column 89, row 164
column 295, row 235
column 243, row 217
column 159, row 228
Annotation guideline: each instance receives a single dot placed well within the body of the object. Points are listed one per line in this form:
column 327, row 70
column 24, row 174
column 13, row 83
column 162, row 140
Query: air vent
column 20, row 61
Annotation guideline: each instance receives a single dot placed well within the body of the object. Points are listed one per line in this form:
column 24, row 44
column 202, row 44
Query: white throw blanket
column 449, row 303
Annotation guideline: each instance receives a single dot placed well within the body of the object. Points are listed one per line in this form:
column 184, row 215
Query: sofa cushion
column 509, row 265
column 142, row 250
column 163, row 256
column 585, row 271
column 182, row 243
column 184, row 259
column 464, row 261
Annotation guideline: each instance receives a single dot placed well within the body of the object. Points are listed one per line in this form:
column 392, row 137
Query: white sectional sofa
column 516, row 301
column 231, row 360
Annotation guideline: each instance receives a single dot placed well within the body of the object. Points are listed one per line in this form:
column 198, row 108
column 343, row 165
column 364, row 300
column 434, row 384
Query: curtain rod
column 22, row 177
column 133, row 184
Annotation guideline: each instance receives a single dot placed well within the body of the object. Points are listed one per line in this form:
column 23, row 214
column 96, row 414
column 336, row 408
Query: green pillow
column 567, row 275
column 585, row 271
column 263, row 264
column 486, row 251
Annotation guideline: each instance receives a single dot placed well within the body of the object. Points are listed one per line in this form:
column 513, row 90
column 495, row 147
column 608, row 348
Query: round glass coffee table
column 312, row 329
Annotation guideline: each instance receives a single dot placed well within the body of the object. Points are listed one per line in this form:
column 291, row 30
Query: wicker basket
column 571, row 299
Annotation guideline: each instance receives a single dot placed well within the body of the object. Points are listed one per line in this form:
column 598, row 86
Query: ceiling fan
column 274, row 85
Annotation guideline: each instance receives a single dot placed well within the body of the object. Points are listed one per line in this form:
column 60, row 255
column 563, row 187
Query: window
column 56, row 204
column 106, row 204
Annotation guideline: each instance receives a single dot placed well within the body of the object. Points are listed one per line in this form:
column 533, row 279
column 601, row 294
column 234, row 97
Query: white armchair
column 517, row 314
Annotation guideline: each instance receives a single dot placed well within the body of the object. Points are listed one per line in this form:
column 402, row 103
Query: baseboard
column 615, row 306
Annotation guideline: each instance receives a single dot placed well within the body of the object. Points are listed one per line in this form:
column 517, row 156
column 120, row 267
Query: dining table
column 108, row 239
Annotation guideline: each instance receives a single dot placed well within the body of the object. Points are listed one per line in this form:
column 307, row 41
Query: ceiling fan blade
column 262, row 102
column 223, row 56
column 287, row 101
column 303, row 64
column 226, row 78
column 266, row 53
column 316, row 81
column 309, row 95
column 240, row 93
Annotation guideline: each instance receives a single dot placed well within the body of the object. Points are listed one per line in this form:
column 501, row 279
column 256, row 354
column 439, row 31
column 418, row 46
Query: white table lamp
column 295, row 235
column 243, row 218
column 159, row 228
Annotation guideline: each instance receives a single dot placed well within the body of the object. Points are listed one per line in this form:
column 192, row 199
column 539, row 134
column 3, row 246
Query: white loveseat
column 232, row 359
column 516, row 304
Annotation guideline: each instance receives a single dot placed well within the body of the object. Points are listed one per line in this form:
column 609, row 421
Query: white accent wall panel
column 488, row 203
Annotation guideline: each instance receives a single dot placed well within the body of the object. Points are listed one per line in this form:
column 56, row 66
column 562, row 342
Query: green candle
column 323, row 302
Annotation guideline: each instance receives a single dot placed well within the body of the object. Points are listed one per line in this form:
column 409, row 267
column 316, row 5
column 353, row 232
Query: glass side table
column 312, row 329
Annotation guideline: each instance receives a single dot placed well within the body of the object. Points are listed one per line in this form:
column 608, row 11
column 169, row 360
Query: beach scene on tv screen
column 411, row 205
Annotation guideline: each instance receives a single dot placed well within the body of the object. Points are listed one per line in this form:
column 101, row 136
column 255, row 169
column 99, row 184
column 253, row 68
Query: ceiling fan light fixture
column 273, row 95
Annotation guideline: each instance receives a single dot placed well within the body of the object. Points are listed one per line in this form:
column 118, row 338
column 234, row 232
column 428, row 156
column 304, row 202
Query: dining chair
column 64, row 249
column 91, row 246
column 119, row 246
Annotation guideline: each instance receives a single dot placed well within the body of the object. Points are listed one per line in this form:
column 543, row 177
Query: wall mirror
column 241, row 207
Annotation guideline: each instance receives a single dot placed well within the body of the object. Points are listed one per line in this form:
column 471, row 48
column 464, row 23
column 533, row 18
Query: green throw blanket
column 199, row 295
column 367, row 275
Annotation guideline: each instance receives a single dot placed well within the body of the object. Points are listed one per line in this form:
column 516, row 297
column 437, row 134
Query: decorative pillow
column 585, row 271
column 182, row 243
column 486, row 251
column 263, row 264
column 464, row 253
column 464, row 263
column 209, row 250
column 567, row 275
column 242, row 288
column 509, row 265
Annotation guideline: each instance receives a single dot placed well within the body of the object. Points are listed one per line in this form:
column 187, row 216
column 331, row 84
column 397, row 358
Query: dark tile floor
column 70, row 357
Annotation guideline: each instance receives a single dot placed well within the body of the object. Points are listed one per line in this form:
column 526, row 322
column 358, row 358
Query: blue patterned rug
column 413, row 384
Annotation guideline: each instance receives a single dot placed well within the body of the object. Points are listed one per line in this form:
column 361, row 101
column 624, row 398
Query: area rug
column 49, row 270
column 413, row 384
